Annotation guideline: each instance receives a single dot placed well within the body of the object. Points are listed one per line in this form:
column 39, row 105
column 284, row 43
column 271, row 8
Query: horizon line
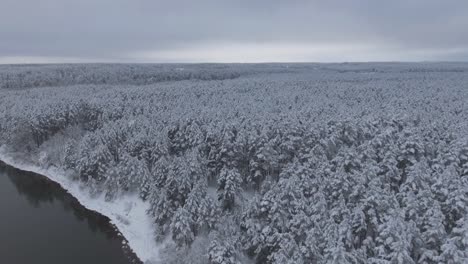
column 246, row 63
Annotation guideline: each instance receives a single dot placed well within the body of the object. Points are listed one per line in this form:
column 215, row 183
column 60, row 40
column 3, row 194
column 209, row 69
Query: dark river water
column 42, row 223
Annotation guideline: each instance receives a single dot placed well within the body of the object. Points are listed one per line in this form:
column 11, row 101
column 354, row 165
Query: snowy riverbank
column 127, row 213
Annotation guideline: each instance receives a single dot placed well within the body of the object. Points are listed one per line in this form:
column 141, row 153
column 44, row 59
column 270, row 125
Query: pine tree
column 455, row 249
column 433, row 234
column 395, row 240
column 229, row 187
column 182, row 228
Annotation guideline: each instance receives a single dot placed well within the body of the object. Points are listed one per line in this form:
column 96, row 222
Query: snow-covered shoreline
column 127, row 213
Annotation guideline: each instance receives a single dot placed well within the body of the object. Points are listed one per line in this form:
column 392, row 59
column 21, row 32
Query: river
column 41, row 223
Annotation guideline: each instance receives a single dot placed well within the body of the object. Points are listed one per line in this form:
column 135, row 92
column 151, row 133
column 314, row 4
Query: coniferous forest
column 260, row 163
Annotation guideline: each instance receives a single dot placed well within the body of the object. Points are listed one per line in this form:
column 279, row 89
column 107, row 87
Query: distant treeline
column 25, row 76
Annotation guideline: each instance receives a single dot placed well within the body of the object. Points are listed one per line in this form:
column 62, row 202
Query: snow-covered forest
column 266, row 163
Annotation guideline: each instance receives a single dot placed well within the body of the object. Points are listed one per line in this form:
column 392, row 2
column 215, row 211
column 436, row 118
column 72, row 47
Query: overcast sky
column 232, row 31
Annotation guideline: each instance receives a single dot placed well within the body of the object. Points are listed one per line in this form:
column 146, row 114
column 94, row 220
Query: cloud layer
column 237, row 31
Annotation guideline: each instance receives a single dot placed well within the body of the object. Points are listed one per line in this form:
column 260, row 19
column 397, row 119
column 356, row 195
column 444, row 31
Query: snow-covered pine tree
column 229, row 187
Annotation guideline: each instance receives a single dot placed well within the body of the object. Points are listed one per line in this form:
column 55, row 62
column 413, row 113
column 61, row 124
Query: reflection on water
column 63, row 219
column 39, row 190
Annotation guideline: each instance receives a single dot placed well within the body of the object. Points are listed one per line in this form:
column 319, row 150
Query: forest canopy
column 266, row 163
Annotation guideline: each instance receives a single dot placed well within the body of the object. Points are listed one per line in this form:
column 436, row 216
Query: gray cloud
column 187, row 30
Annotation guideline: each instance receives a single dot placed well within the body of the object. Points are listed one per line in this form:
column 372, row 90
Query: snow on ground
column 127, row 213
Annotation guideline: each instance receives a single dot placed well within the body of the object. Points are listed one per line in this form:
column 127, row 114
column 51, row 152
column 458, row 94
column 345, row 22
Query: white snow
column 127, row 213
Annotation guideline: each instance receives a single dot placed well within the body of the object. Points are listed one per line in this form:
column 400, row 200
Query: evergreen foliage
column 310, row 163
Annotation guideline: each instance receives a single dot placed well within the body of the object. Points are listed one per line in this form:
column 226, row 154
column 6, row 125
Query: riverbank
column 127, row 213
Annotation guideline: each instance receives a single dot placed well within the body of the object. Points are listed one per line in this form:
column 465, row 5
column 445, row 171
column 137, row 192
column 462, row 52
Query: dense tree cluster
column 298, row 163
